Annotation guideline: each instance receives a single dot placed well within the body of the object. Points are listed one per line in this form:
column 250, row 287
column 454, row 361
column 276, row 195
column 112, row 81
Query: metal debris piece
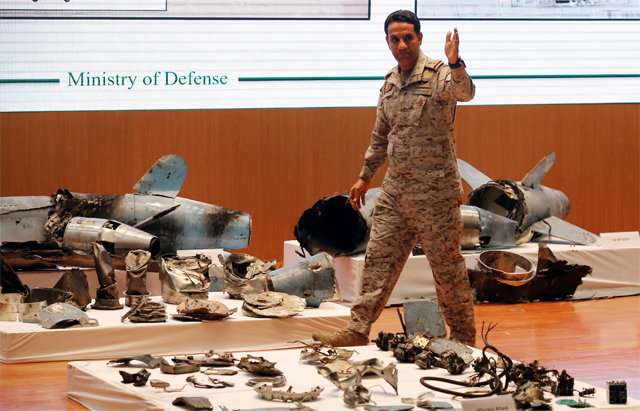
column 213, row 383
column 210, row 359
column 135, row 307
column 554, row 279
column 389, row 341
column 146, row 311
column 179, row 223
column 138, row 379
column 183, row 278
column 388, row 407
column 50, row 296
column 219, row 371
column 531, row 395
column 24, row 312
column 217, row 359
column 345, row 373
column 422, row 401
column 333, row 226
column 441, row 345
column 299, row 406
column 136, row 264
column 267, row 392
column 533, row 206
column 165, row 386
column 318, row 353
column 75, row 282
column 195, row 403
column 149, row 312
column 180, row 368
column 151, row 362
column 407, row 352
column 587, row 392
column 423, row 317
column 81, row 232
column 9, row 280
column 507, row 267
column 374, row 366
column 356, row 394
column 9, row 311
column 272, row 304
column 107, row 294
column 203, row 310
column 483, row 228
column 62, row 315
column 258, row 365
column 28, row 312
column 313, row 279
column 277, row 381
column 448, row 360
column 245, row 274
column 13, row 298
column 339, row 377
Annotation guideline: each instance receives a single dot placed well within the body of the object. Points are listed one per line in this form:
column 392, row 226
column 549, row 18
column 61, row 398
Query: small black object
column 617, row 392
column 565, row 384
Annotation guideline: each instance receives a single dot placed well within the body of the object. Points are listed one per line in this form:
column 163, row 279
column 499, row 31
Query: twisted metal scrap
column 258, row 365
column 267, row 392
column 319, row 353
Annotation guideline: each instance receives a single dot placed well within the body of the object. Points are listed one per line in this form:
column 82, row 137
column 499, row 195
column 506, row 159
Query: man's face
column 404, row 44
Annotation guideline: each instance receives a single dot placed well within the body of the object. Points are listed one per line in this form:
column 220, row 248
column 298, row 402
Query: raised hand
column 451, row 46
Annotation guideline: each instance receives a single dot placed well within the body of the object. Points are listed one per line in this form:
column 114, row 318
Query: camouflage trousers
column 398, row 223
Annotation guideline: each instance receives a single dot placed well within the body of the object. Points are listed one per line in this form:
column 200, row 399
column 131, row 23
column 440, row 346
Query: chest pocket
column 421, row 94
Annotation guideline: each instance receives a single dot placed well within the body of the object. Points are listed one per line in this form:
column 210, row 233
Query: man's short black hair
column 403, row 16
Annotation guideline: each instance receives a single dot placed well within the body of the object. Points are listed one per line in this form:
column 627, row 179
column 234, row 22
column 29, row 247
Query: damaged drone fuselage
column 178, row 223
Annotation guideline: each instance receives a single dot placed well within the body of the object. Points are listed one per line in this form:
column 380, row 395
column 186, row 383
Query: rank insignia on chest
column 387, row 87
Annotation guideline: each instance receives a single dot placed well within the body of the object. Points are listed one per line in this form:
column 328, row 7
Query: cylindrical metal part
column 117, row 237
column 107, row 294
column 312, row 279
column 333, row 226
column 519, row 203
column 486, row 229
column 136, row 264
column 544, row 202
column 506, row 267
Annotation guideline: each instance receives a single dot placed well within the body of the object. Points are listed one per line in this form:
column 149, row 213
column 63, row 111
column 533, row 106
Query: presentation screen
column 78, row 55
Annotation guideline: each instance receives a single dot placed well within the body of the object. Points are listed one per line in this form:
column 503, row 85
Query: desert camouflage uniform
column 419, row 200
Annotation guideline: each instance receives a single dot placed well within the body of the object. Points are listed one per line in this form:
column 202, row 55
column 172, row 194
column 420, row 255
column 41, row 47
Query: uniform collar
column 395, row 75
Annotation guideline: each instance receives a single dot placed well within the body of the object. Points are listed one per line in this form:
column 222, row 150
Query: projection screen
column 70, row 55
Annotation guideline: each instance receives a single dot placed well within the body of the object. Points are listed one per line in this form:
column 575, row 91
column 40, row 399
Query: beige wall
column 275, row 163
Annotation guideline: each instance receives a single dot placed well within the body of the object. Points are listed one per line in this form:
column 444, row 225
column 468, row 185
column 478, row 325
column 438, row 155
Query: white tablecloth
column 612, row 267
column 98, row 386
column 29, row 342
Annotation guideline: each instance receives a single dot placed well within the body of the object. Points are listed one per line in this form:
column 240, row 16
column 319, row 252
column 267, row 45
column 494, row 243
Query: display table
column 611, row 267
column 99, row 386
column 29, row 342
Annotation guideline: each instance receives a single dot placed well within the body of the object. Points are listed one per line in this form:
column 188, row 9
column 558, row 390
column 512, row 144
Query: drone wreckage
column 494, row 373
column 185, row 282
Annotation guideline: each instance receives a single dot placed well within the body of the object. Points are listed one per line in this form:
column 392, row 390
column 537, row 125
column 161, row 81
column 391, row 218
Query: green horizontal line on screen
column 29, row 80
column 309, row 78
column 539, row 76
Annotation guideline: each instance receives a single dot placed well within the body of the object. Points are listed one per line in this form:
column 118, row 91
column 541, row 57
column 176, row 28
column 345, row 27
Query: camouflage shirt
column 414, row 128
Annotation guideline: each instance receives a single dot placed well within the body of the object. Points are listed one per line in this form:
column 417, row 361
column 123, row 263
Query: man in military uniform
column 419, row 200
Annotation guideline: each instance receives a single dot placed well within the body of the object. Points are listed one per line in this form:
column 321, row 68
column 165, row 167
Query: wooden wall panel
column 275, row 163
